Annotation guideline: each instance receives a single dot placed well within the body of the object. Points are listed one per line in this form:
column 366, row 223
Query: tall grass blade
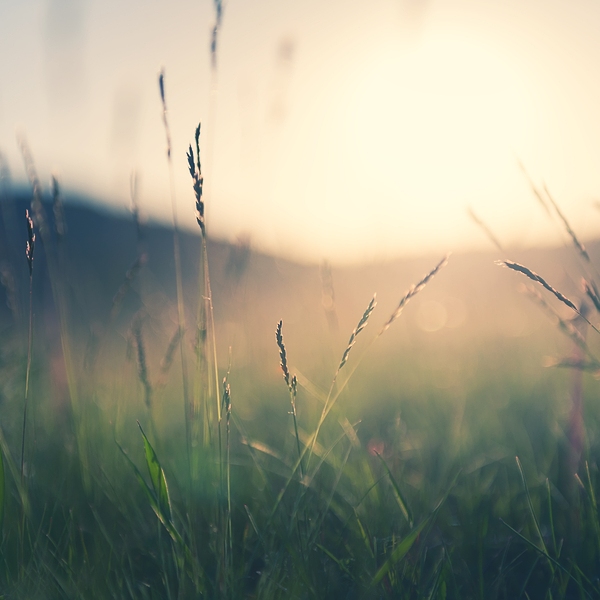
column 548, row 557
column 399, row 552
column 157, row 477
column 336, row 560
column 400, row 500
column 153, row 501
column 531, row 511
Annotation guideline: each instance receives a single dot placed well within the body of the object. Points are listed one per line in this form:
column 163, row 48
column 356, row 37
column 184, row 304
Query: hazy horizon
column 348, row 131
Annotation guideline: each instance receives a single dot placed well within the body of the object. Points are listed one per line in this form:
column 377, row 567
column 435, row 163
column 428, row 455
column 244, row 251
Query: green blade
column 399, row 552
column 157, row 477
column 400, row 500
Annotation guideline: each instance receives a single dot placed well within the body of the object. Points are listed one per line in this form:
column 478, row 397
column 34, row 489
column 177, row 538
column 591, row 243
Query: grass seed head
column 282, row 353
column 535, row 277
column 30, row 245
column 590, row 289
column 195, row 170
column 413, row 291
column 60, row 226
column 362, row 323
column 161, row 87
column 578, row 245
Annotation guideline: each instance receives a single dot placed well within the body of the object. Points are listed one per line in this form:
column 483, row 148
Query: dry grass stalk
column 36, row 202
column 215, row 32
column 534, row 189
column 566, row 327
column 535, row 277
column 573, row 363
column 161, row 85
column 198, row 181
column 413, row 291
column 488, row 232
column 29, row 250
column 282, row 353
column 362, row 323
column 135, row 208
column 177, row 258
column 130, row 276
column 141, row 361
column 590, row 289
column 292, row 384
column 578, row 245
column 30, row 245
column 328, row 297
column 167, row 361
column 60, row 226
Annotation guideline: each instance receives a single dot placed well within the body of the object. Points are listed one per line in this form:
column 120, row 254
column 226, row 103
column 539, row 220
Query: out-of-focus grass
column 413, row 490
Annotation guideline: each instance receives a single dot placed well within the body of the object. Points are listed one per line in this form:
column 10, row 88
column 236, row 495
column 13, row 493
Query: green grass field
column 380, row 467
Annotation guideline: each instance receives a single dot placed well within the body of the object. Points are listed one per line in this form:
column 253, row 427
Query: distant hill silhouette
column 470, row 301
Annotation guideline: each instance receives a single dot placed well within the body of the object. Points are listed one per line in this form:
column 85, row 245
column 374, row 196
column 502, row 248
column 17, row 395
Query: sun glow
column 410, row 136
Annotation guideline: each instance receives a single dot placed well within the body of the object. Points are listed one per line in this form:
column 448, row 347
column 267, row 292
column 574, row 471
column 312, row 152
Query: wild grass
column 490, row 496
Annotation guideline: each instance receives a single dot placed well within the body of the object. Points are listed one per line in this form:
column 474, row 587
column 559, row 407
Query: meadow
column 274, row 430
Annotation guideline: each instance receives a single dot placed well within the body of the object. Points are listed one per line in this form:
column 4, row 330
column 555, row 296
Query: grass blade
column 399, row 552
column 397, row 493
column 157, row 477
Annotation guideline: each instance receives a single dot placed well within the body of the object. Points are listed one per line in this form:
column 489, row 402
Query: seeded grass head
column 412, row 292
column 60, row 226
column 282, row 353
column 362, row 323
column 539, row 279
column 195, row 170
column 30, row 245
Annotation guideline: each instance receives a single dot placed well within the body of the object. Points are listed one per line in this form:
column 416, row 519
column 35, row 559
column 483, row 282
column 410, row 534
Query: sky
column 346, row 130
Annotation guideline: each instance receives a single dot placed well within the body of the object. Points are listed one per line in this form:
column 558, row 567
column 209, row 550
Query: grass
column 380, row 482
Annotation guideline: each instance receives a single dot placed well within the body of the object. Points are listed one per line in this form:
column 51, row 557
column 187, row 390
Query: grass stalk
column 178, row 276
column 292, row 384
column 29, row 252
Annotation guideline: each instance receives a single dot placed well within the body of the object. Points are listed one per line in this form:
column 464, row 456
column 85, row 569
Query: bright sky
column 340, row 129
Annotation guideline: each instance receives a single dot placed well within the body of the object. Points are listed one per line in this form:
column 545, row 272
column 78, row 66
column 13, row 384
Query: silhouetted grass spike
column 161, row 85
column 488, row 232
column 60, row 226
column 566, row 327
column 195, row 170
column 413, row 291
column 534, row 189
column 141, row 359
column 361, row 325
column 226, row 398
column 197, row 140
column 282, row 353
column 535, row 277
column 589, row 287
column 30, row 246
column 36, row 201
column 130, row 275
column 580, row 247
column 167, row 361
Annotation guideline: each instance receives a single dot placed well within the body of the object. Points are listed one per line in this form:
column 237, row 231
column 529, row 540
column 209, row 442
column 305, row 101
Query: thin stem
column 293, row 388
column 178, row 279
column 28, row 372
